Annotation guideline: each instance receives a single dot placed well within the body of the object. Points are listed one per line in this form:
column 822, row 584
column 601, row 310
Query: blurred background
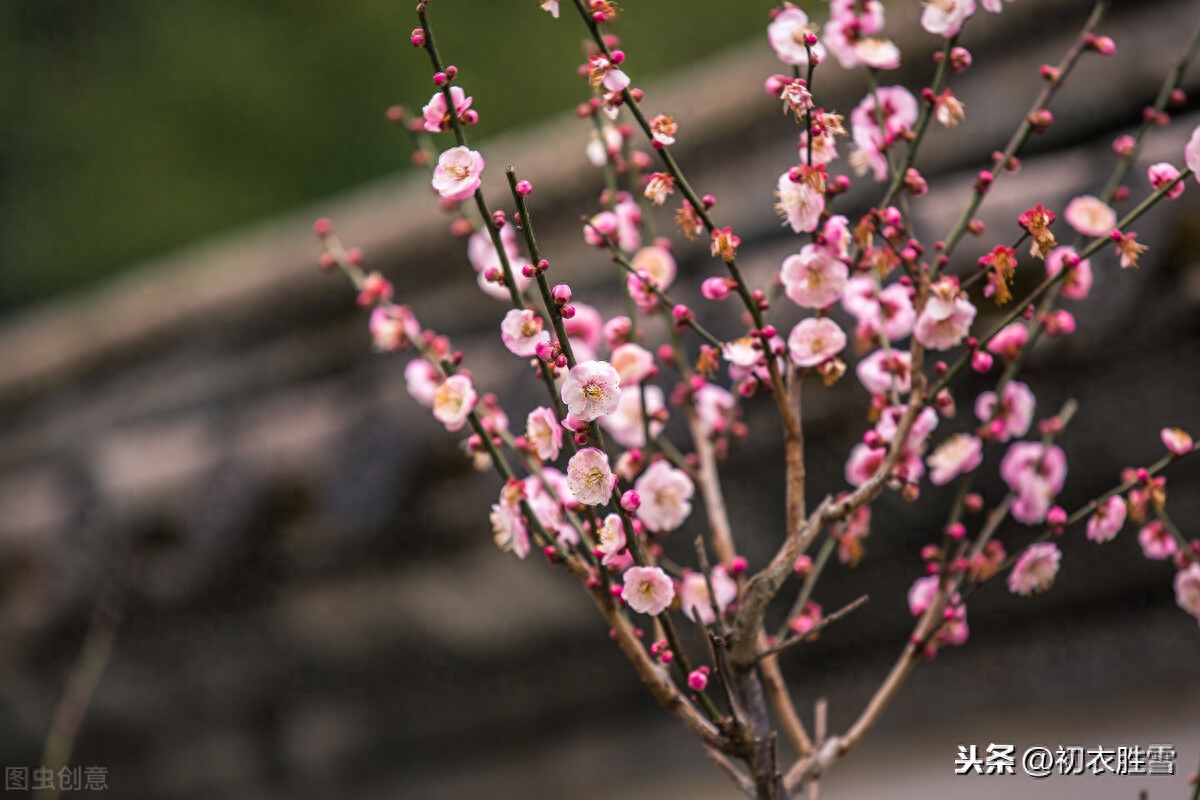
column 284, row 563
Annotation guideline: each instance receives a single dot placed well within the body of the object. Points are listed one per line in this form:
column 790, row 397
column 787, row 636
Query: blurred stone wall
column 313, row 607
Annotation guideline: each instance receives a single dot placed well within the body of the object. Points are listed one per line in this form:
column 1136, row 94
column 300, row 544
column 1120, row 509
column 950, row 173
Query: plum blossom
column 454, row 401
column 1078, row 282
column 629, row 217
column 1090, row 216
column 882, row 371
column 1009, row 341
column 1013, row 418
column 603, row 73
column 544, row 433
column 1163, row 173
column 508, row 525
column 898, row 111
column 956, row 456
column 946, row 318
column 422, row 380
column 627, row 423
column 862, row 463
column 589, row 478
column 632, row 362
column 666, row 494
column 1191, row 154
column 1107, row 521
column 591, row 390
column 946, row 17
column 1177, row 441
column 715, row 406
column 742, row 352
column 458, row 173
column 800, row 203
column 921, row 594
column 601, row 146
column 1157, row 542
column 1187, row 589
column 551, row 6
column 1035, row 570
column 889, row 310
column 586, row 328
column 694, row 598
column 610, row 539
column 436, row 112
column 522, row 330
column 656, row 265
column 647, row 590
column 813, row 278
column 1036, row 473
column 815, row 340
column 786, row 34
column 481, row 252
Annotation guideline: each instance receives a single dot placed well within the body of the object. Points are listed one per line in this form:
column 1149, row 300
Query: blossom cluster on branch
column 593, row 480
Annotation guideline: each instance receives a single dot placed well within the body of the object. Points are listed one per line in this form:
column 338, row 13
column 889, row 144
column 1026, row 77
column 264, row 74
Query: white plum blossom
column 544, row 433
column 508, row 526
column 551, row 6
column 522, row 330
column 666, row 494
column 454, row 401
column 815, row 340
column 632, row 362
column 458, row 173
column 591, row 390
column 589, row 478
column 647, row 590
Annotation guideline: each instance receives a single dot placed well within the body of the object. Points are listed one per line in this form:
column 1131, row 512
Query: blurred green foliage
column 131, row 127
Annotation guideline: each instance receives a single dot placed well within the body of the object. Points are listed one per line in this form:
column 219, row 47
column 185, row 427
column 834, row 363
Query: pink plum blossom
column 1191, row 153
column 889, row 310
column 882, row 371
column 392, row 328
column 862, row 463
column 898, row 111
column 508, row 526
column 946, row 17
column 1177, row 441
column 1090, row 216
column 1161, row 174
column 946, row 318
column 992, row 6
column 1078, row 282
column 1036, row 473
column 800, row 203
column 1035, row 570
column 589, row 477
column 658, row 266
column 837, row 236
column 629, row 217
column 815, row 340
column 921, row 594
column 458, row 173
column 422, row 380
column 694, row 598
column 1013, row 418
column 647, row 590
column 610, row 539
column 786, row 34
column 1187, row 589
column 1009, row 341
column 956, row 456
column 666, row 494
column 632, row 362
column 586, row 327
column 627, row 423
column 436, row 112
column 1106, row 522
column 1157, row 542
column 544, row 433
column 599, row 149
column 714, row 408
column 483, row 257
column 521, row 331
column 454, row 401
column 813, row 278
column 592, row 389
